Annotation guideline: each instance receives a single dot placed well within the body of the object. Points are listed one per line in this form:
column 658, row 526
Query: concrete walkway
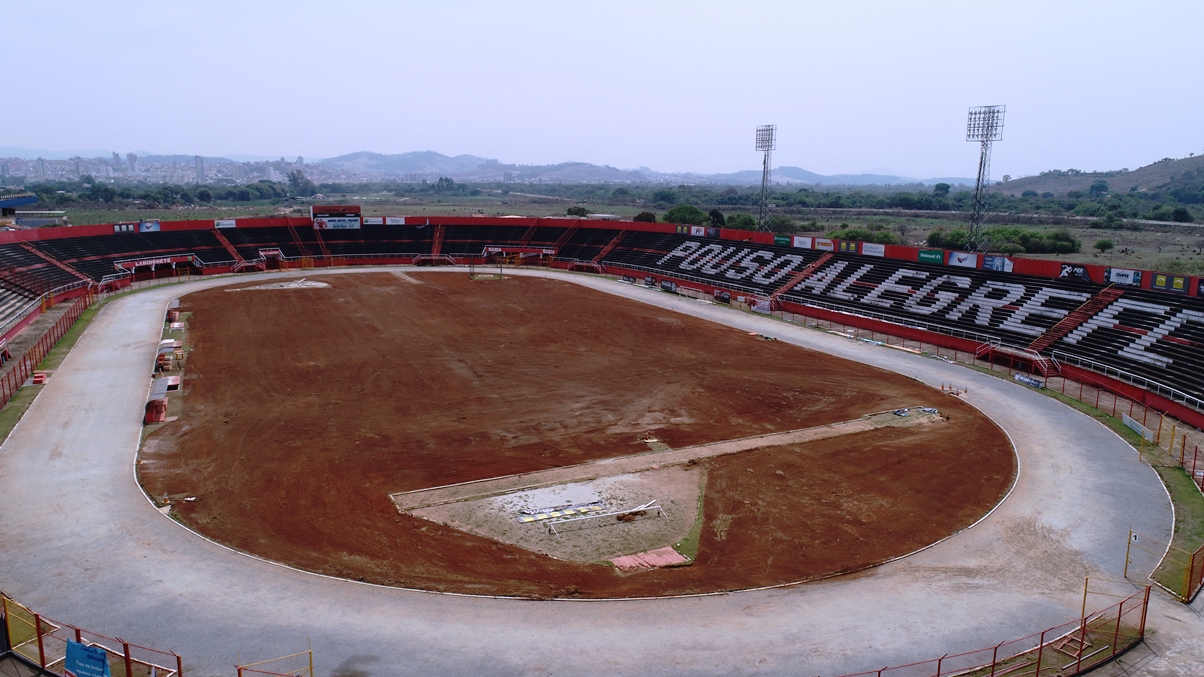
column 650, row 460
column 80, row 542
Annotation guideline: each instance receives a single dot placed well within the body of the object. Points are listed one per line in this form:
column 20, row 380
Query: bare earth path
column 80, row 542
column 411, row 500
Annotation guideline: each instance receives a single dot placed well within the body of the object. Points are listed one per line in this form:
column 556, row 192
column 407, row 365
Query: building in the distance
column 40, row 168
column 200, row 168
column 132, row 160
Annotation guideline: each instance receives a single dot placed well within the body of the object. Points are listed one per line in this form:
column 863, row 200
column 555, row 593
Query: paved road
column 80, row 542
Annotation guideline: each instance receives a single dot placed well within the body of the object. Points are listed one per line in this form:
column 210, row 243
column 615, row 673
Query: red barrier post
column 1040, row 653
column 1145, row 607
column 37, row 629
column 129, row 669
column 1120, row 614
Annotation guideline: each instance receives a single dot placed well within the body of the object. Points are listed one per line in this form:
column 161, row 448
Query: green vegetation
column 16, row 408
column 688, row 546
column 56, row 355
column 1020, row 239
column 1189, row 525
column 873, row 233
column 741, row 222
column 686, row 214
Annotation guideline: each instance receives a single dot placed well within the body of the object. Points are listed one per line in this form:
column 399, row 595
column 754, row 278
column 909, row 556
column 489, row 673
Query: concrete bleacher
column 1156, row 336
column 983, row 305
column 32, row 271
column 1153, row 335
column 472, row 240
column 586, row 243
column 12, row 302
column 95, row 255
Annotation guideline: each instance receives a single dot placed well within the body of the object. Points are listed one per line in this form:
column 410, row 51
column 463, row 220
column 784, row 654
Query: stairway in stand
column 296, row 238
column 529, row 234
column 800, row 276
column 229, row 247
column 1076, row 317
column 38, row 252
column 610, row 247
column 437, row 241
column 568, row 235
column 321, row 244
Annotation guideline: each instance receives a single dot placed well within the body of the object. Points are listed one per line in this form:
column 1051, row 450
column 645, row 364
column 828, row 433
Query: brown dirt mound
column 305, row 408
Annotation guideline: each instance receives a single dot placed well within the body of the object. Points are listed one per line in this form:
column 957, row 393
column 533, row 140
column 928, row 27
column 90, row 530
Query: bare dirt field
column 304, row 409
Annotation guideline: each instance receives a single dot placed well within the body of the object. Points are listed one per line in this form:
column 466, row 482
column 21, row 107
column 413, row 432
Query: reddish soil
column 303, row 409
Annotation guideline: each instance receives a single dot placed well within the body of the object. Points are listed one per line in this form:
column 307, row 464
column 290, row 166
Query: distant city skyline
column 676, row 86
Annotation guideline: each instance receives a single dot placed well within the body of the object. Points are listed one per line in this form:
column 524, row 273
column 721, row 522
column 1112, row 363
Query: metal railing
column 1173, row 394
column 37, row 304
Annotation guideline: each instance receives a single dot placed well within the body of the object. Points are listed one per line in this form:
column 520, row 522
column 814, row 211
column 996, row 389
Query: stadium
column 341, row 455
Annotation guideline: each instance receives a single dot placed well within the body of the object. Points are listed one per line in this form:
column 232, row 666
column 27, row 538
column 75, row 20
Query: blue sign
column 85, row 661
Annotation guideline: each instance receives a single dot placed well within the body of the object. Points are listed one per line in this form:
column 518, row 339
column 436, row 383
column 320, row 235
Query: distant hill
column 474, row 168
column 1152, row 177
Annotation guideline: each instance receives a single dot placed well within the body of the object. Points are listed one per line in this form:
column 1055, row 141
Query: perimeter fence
column 1069, row 649
column 43, row 642
column 25, row 365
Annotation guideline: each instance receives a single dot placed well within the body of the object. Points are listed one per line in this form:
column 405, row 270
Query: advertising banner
column 335, row 217
column 1029, row 381
column 337, row 222
column 225, row 223
column 963, row 259
column 781, row 240
column 850, row 247
column 932, row 256
column 1000, row 263
column 148, row 227
column 698, row 231
column 629, row 279
column 125, row 227
column 650, row 281
column 374, row 220
column 1166, row 282
column 713, row 232
column 1074, row 271
column 669, row 285
column 162, row 260
column 683, row 230
column 1123, row 276
column 824, row 244
column 871, row 249
column 802, row 242
column 85, row 661
column 395, row 220
column 723, row 296
column 761, row 306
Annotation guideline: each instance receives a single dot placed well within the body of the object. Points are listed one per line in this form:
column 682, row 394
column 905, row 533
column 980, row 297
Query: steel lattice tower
column 766, row 142
column 984, row 125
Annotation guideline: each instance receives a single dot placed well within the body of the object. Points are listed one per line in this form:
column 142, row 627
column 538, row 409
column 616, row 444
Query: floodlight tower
column 766, row 142
column 984, row 125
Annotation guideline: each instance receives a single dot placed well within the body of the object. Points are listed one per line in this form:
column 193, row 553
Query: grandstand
column 1036, row 313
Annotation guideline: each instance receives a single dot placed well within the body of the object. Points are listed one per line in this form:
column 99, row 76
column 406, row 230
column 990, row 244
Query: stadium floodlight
column 767, row 142
column 984, row 125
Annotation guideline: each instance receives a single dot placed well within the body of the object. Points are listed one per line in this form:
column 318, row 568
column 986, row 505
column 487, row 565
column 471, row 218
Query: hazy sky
column 853, row 85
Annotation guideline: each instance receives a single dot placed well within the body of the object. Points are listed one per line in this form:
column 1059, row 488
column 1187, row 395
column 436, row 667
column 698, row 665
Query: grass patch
column 1189, row 527
column 688, row 546
column 16, row 408
column 55, row 357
